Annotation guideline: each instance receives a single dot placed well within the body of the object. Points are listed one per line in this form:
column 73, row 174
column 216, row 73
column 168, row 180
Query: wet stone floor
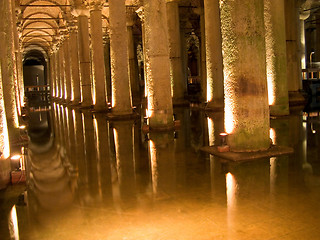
column 91, row 179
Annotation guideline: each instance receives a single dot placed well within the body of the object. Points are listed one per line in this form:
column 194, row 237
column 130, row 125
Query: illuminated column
column 84, row 56
column 121, row 93
column 303, row 16
column 8, row 86
column 52, row 73
column 98, row 75
column 133, row 65
column 292, row 47
column 67, row 65
column 62, row 70
column 203, row 73
column 178, row 83
column 5, row 168
column 74, row 59
column 276, row 59
column 107, row 65
column 57, row 70
column 246, row 96
column 214, row 63
column 157, row 65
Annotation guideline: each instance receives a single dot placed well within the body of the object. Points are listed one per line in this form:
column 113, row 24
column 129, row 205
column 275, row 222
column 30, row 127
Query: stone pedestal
column 246, row 96
column 160, row 110
column 214, row 64
column 98, row 74
column 121, row 93
column 276, row 57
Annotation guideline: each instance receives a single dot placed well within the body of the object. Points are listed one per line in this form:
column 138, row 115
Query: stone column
column 158, row 65
column 133, row 64
column 84, row 55
column 7, row 75
column 303, row 16
column 276, row 58
column 214, row 63
column 67, row 66
column 203, row 68
column 52, row 73
column 292, row 47
column 121, row 93
column 57, row 71
column 245, row 87
column 107, row 66
column 74, row 59
column 177, row 78
column 98, row 74
column 62, row 71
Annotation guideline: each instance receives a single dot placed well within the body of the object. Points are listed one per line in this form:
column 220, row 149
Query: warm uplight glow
column 231, row 189
column 273, row 136
column 154, row 166
column 22, row 127
column 211, row 131
column 16, row 157
column 209, row 89
column 271, row 87
column 13, row 224
column 229, row 121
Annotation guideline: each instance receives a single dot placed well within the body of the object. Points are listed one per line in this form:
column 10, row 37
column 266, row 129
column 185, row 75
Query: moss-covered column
column 245, row 87
column 214, row 63
column 292, row 48
column 157, row 64
column 98, row 74
column 177, row 78
column 276, row 58
column 75, row 65
column 121, row 92
column 84, row 55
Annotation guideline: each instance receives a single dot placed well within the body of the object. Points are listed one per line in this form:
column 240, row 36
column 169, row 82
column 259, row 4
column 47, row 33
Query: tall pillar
column 292, row 47
column 84, row 55
column 133, row 64
column 214, row 63
column 158, row 65
column 107, row 66
column 7, row 74
column 246, row 96
column 57, row 71
column 98, row 74
column 62, row 71
column 203, row 69
column 74, row 60
column 67, row 66
column 178, row 83
column 303, row 16
column 276, row 59
column 121, row 93
column 52, row 73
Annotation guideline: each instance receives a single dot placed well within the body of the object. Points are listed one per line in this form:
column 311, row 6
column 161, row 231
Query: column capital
column 140, row 13
column 130, row 14
column 95, row 5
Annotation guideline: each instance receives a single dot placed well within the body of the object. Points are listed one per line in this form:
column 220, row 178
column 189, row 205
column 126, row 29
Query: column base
column 297, row 98
column 115, row 116
column 279, row 110
column 5, row 170
column 214, row 106
column 273, row 151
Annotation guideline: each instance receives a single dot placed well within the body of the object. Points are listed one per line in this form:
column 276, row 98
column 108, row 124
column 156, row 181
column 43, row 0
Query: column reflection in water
column 101, row 135
column 124, row 175
column 279, row 166
column 215, row 125
column 163, row 164
column 49, row 191
column 90, row 194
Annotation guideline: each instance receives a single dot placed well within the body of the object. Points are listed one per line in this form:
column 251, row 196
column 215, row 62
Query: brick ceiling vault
column 42, row 23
